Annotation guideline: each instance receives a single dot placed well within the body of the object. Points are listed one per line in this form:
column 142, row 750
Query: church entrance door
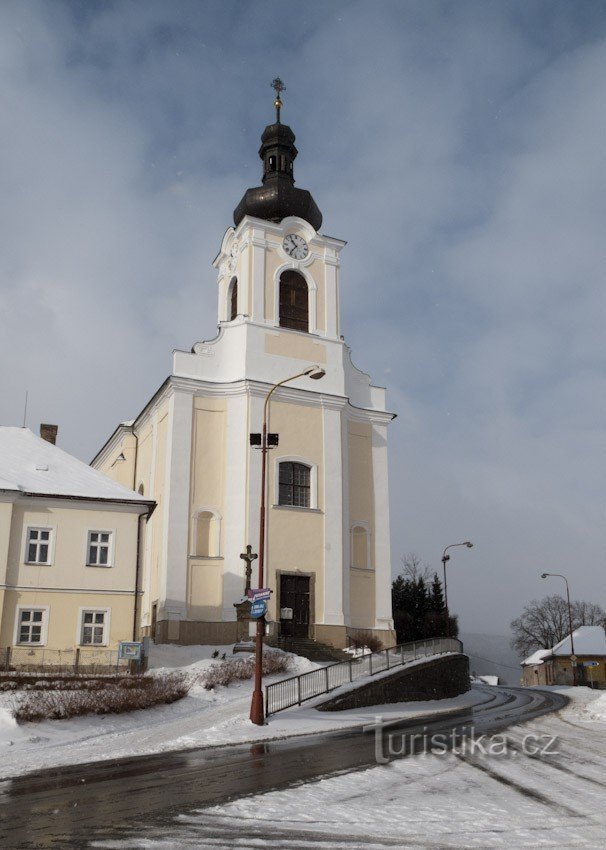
column 294, row 597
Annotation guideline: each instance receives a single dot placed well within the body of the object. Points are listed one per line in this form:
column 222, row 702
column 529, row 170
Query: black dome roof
column 278, row 197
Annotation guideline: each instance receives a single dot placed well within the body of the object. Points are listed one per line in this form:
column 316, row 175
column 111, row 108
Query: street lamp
column 445, row 558
column 572, row 655
column 256, row 707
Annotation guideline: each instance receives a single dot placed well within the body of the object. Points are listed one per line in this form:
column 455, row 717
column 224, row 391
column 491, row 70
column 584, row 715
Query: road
column 73, row 806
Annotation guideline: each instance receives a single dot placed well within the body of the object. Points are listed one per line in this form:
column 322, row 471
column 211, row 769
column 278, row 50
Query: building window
column 360, row 548
column 31, row 626
column 233, row 299
column 38, row 548
column 294, row 301
column 294, row 485
column 98, row 550
column 94, row 628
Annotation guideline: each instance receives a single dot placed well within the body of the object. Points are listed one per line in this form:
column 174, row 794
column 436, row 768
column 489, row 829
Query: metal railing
column 297, row 689
column 40, row 659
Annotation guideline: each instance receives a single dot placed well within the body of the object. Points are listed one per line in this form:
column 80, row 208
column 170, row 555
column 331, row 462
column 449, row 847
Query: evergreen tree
column 418, row 607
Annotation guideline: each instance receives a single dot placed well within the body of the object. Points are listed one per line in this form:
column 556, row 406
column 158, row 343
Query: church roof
column 278, row 197
column 32, row 466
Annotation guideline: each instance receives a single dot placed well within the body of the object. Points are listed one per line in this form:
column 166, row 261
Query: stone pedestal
column 243, row 619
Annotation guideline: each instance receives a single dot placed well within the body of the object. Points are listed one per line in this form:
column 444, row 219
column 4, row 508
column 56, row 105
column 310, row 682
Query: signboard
column 257, row 609
column 130, row 650
column 259, row 594
column 591, row 663
column 286, row 613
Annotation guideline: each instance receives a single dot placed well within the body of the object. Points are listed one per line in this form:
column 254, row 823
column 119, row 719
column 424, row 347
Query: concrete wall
column 441, row 678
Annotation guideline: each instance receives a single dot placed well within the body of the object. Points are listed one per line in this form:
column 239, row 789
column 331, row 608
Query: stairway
column 308, row 648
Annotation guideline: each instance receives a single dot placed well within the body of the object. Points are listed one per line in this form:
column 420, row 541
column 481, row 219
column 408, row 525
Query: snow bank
column 9, row 730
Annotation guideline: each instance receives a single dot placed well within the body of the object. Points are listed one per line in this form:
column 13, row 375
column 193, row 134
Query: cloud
column 457, row 147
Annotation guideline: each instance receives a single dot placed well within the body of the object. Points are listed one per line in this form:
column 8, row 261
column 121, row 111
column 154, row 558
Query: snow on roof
column 588, row 640
column 536, row 657
column 29, row 464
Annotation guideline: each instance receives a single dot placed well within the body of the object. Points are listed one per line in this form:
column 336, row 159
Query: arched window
column 233, row 299
column 206, row 535
column 294, row 485
column 294, row 301
column 359, row 547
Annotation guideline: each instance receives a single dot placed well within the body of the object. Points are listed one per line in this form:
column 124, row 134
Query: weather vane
column 279, row 87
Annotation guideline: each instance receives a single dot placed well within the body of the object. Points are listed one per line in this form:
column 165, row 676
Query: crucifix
column 249, row 557
column 279, row 87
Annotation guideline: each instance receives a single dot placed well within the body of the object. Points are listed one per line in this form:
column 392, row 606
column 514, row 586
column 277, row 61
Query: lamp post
column 572, row 658
column 445, row 558
column 256, row 707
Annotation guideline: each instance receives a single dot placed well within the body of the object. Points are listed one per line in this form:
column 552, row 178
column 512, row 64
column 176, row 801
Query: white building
column 328, row 550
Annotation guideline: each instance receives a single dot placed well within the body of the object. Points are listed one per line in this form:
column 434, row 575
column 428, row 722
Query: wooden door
column 294, row 595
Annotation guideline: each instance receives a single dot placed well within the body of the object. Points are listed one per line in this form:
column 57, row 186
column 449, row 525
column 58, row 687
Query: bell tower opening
column 294, row 301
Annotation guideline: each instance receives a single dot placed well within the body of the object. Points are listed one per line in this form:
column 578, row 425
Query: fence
column 39, row 659
column 298, row 689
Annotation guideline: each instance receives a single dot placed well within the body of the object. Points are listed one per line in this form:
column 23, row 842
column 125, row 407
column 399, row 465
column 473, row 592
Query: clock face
column 295, row 246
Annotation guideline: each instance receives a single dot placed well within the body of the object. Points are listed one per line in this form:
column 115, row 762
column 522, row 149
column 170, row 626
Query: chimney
column 49, row 433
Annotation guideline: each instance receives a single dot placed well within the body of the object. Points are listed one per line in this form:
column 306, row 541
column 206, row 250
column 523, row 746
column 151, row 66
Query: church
column 190, row 450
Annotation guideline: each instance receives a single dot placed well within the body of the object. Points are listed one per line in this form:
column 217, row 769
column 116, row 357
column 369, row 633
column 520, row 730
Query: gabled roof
column 536, row 657
column 588, row 640
column 33, row 466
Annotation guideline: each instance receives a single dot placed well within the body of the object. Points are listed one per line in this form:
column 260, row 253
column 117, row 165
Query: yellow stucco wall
column 67, row 584
column 361, row 510
column 295, row 345
column 295, row 536
column 205, row 575
column 64, row 616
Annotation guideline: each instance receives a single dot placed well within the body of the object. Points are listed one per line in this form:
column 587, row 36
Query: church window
column 294, row 301
column 206, row 542
column 359, row 547
column 233, row 299
column 294, row 485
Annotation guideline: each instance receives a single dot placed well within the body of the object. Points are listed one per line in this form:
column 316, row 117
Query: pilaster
column 382, row 547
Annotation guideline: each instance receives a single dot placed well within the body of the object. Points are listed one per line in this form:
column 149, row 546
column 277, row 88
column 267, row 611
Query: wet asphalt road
column 69, row 807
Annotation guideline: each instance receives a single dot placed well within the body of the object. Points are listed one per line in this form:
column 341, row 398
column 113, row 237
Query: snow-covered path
column 430, row 801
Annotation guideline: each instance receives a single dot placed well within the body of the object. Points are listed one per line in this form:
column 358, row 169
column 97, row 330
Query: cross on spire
column 279, row 87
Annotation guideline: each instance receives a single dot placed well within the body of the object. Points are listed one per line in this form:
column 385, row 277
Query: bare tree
column 545, row 623
column 414, row 568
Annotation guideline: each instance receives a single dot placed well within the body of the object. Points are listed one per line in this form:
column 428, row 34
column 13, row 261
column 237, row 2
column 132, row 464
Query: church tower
column 327, row 519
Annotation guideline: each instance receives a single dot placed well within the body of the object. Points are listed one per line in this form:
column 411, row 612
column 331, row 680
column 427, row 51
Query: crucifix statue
column 279, row 87
column 249, row 557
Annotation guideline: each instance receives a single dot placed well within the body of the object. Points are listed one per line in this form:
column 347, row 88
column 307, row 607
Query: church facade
column 327, row 520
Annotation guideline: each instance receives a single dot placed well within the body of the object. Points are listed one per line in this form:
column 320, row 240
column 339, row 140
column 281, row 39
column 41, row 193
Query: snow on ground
column 430, row 801
column 202, row 718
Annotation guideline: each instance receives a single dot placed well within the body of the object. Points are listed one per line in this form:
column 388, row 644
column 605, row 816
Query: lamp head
column 469, row 544
column 315, row 373
column 544, row 575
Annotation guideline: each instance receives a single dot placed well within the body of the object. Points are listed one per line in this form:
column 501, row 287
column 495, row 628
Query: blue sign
column 130, row 650
column 257, row 609
column 260, row 593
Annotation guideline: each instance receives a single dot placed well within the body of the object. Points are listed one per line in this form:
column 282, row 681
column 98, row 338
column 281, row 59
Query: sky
column 459, row 149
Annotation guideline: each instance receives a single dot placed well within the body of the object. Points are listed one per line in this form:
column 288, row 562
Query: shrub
column 112, row 698
column 237, row 669
column 369, row 640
